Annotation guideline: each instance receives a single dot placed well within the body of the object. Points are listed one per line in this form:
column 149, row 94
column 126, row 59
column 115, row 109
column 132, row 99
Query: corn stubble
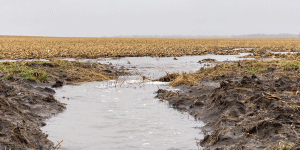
column 14, row 47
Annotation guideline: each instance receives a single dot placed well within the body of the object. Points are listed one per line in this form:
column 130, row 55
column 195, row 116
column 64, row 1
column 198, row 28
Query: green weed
column 259, row 64
column 294, row 65
column 60, row 67
column 20, row 69
column 5, row 148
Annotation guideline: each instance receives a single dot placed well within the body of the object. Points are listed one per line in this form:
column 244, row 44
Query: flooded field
column 107, row 117
column 155, row 67
column 125, row 115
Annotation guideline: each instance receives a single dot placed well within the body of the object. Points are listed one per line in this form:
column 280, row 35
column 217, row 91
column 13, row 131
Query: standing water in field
column 114, row 115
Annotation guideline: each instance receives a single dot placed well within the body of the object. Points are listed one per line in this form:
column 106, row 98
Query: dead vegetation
column 23, row 109
column 184, row 78
column 269, row 54
column 247, row 67
column 168, row 78
column 51, row 71
column 254, row 106
column 249, row 111
column 14, row 47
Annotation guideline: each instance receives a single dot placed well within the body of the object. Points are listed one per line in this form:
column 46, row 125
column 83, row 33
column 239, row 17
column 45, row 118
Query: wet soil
column 23, row 110
column 123, row 114
column 244, row 111
column 26, row 104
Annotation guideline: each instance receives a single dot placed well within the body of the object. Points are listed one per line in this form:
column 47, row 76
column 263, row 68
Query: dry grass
column 14, row 47
column 247, row 67
column 184, row 79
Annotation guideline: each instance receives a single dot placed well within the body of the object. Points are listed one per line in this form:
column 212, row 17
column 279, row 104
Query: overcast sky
column 99, row 18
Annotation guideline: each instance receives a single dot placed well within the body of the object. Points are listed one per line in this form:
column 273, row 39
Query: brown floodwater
column 124, row 114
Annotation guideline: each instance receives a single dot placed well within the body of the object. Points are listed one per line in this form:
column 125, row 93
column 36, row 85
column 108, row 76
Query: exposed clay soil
column 244, row 112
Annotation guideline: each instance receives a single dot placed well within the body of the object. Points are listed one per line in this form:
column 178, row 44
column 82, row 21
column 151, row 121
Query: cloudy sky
column 99, row 18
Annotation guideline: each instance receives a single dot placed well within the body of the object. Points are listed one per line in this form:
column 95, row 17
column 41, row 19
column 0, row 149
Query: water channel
column 125, row 115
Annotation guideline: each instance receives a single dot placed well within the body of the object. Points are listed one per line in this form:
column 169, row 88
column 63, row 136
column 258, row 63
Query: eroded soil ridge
column 244, row 112
column 24, row 105
column 23, row 110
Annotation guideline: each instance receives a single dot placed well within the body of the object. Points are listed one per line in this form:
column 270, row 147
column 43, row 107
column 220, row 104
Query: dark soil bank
column 244, row 112
column 24, row 106
column 23, row 109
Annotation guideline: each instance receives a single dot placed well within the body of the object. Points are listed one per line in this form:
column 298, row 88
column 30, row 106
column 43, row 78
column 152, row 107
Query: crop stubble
column 21, row 47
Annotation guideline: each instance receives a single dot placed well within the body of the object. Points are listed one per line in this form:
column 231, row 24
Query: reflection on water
column 103, row 117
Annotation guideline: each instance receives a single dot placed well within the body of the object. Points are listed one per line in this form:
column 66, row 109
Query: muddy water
column 125, row 115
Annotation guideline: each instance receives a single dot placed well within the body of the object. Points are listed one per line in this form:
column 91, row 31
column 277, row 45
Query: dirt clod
column 58, row 84
column 244, row 112
column 23, row 109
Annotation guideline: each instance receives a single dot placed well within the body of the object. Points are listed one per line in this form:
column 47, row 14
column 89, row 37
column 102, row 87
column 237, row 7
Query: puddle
column 124, row 114
column 284, row 52
column 238, row 49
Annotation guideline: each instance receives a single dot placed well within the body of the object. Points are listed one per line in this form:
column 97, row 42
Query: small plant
column 220, row 66
column 60, row 67
column 294, row 65
column 254, row 71
column 246, row 122
column 250, row 62
column 37, row 61
column 31, row 78
column 259, row 64
column 284, row 146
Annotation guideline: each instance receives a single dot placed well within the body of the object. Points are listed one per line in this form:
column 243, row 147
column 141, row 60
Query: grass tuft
column 23, row 70
column 184, row 78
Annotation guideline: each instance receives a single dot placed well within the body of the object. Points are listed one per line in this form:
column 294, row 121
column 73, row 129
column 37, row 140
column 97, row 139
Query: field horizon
column 27, row 47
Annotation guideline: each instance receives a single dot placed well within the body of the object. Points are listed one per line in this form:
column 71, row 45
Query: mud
column 23, row 110
column 244, row 111
column 25, row 104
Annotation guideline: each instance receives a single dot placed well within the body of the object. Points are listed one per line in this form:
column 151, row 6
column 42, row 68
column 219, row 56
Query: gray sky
column 99, row 18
